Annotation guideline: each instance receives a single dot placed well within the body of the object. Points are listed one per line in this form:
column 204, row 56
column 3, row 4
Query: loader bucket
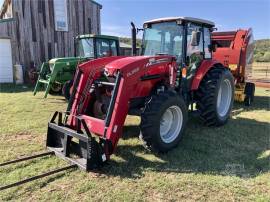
column 75, row 146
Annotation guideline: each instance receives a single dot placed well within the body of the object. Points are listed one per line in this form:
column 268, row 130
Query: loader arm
column 125, row 87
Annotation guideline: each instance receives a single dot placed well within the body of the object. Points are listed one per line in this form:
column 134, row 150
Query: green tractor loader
column 57, row 74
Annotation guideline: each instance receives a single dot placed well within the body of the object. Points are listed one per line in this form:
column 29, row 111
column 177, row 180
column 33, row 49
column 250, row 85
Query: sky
column 227, row 14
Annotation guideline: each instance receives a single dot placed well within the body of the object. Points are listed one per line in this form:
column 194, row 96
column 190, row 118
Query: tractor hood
column 128, row 64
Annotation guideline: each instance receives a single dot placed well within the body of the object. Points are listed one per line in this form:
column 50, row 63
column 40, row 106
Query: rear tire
column 163, row 121
column 215, row 96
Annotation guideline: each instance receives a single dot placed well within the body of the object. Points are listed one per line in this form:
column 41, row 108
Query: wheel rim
column 224, row 97
column 171, row 124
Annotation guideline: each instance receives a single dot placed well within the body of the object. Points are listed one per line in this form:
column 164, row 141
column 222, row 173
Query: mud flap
column 74, row 146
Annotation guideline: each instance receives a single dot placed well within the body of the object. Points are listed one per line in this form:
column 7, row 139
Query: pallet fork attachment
column 84, row 151
column 34, row 177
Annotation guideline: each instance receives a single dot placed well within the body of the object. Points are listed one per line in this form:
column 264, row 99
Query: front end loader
column 175, row 70
column 57, row 74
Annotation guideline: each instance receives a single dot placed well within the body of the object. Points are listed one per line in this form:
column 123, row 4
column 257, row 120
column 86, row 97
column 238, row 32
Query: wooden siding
column 33, row 36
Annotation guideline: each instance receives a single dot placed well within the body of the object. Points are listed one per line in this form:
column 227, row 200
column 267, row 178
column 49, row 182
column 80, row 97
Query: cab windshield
column 106, row 48
column 163, row 39
column 86, row 48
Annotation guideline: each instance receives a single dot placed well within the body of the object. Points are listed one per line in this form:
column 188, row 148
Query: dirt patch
column 23, row 136
column 262, row 84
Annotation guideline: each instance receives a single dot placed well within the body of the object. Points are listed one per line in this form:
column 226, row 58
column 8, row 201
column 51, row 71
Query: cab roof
column 97, row 36
column 189, row 19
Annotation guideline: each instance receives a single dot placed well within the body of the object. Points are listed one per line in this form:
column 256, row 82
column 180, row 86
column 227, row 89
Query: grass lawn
column 229, row 163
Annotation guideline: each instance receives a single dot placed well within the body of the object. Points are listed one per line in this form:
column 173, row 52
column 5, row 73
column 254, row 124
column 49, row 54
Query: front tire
column 163, row 121
column 215, row 96
column 55, row 89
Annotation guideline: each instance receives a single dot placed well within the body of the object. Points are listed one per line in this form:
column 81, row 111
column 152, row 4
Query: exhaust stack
column 133, row 36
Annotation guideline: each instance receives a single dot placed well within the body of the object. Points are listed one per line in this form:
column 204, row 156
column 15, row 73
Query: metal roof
column 196, row 20
column 97, row 3
column 98, row 36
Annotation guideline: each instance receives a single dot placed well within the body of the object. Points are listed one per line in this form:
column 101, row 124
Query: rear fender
column 205, row 66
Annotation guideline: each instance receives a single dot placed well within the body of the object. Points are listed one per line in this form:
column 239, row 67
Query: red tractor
column 175, row 71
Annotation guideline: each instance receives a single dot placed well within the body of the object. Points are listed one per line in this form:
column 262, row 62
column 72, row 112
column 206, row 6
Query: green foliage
column 129, row 41
column 266, row 56
column 262, row 50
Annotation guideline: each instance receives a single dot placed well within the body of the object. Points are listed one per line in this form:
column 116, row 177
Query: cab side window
column 103, row 48
column 207, row 43
column 191, row 49
column 106, row 48
column 113, row 47
column 194, row 48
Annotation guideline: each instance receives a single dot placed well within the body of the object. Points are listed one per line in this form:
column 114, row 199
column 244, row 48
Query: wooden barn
column 33, row 31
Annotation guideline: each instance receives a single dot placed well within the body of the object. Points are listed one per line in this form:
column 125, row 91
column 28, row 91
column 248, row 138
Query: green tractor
column 57, row 74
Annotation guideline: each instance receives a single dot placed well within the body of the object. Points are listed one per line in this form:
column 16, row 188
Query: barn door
column 6, row 70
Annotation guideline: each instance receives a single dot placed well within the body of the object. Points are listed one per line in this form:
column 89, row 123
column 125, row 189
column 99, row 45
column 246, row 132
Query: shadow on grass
column 260, row 103
column 56, row 99
column 237, row 148
column 13, row 88
column 131, row 131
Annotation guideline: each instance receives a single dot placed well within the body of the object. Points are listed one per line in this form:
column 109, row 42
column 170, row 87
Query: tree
column 262, row 50
column 266, row 57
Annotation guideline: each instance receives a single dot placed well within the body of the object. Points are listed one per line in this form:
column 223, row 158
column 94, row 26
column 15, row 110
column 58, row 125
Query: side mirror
column 195, row 38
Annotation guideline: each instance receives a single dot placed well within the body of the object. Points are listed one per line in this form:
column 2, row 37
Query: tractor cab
column 186, row 38
column 96, row 46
